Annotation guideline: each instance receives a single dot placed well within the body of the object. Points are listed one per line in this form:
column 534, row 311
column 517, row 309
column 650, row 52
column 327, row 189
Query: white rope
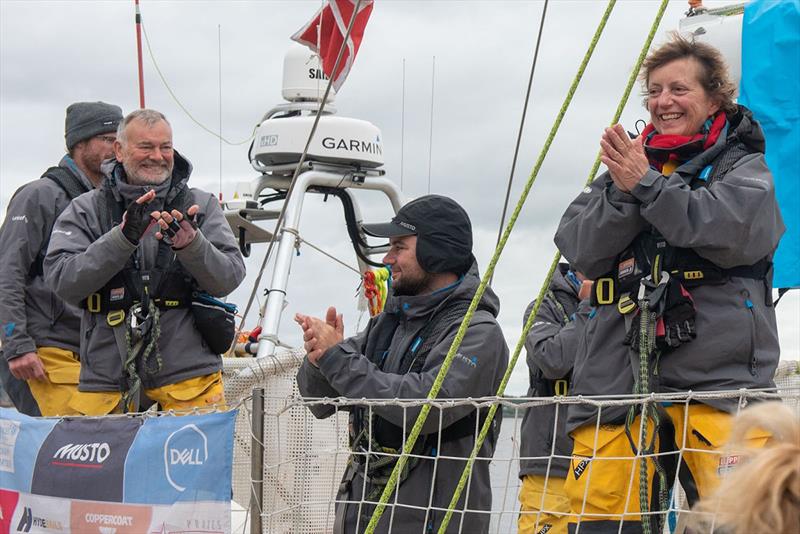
column 300, row 239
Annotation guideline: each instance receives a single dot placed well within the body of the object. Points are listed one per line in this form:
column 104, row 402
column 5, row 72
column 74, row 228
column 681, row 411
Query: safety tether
column 554, row 264
column 437, row 384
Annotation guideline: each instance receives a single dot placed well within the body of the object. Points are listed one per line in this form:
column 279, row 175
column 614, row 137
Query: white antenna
column 219, row 55
column 430, row 139
column 402, row 124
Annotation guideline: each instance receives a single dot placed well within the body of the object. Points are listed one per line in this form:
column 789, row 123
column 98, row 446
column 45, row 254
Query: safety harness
column 379, row 441
column 640, row 286
column 74, row 187
column 543, row 386
column 140, row 295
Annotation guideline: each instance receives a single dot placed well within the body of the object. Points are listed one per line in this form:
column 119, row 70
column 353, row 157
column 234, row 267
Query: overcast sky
column 54, row 53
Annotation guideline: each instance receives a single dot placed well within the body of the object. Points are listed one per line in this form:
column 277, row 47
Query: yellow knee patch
column 544, row 508
column 55, row 394
column 198, row 392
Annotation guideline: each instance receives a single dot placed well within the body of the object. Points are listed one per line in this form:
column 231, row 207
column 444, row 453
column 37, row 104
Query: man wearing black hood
column 398, row 355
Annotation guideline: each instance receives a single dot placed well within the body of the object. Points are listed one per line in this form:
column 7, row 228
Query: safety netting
column 304, row 458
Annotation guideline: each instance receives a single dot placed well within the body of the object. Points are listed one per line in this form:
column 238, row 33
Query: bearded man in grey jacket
column 398, row 355
column 135, row 253
column 40, row 332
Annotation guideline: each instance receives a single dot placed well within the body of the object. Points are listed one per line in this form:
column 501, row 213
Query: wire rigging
column 522, row 123
column 282, row 215
column 180, row 104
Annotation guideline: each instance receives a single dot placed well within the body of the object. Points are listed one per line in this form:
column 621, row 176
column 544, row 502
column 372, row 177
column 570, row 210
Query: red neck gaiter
column 661, row 148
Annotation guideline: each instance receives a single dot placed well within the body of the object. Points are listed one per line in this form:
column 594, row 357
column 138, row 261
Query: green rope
column 134, row 381
column 437, row 384
column 556, row 258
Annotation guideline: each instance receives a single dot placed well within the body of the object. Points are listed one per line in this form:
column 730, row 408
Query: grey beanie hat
column 87, row 119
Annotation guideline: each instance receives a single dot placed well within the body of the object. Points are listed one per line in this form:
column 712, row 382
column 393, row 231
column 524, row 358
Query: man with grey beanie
column 40, row 333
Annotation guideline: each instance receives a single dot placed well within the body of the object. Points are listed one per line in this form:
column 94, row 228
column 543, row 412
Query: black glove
column 135, row 221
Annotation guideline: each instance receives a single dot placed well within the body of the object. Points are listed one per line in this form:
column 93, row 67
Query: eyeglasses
column 108, row 139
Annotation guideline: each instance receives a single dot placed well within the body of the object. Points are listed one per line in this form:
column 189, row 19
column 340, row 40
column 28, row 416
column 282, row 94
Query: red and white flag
column 325, row 34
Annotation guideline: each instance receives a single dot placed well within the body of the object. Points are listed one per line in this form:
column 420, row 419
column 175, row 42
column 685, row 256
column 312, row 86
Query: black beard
column 411, row 288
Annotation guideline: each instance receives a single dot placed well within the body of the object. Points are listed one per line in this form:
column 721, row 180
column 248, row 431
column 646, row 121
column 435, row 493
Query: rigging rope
column 180, row 104
column 546, row 284
column 437, row 384
column 282, row 214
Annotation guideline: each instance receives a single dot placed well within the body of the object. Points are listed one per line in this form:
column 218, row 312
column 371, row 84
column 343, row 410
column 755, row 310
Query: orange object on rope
column 375, row 289
column 695, row 4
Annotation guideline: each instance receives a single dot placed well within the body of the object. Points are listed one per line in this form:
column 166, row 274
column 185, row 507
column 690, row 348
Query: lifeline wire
column 180, row 105
column 282, row 215
column 437, row 384
column 522, row 123
column 531, row 318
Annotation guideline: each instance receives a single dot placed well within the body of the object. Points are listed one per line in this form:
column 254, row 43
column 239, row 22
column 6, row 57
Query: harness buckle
column 604, row 290
column 693, row 275
column 626, row 304
column 560, row 387
column 93, row 302
column 114, row 318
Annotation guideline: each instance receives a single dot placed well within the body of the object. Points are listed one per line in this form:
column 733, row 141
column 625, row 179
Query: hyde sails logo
column 185, row 454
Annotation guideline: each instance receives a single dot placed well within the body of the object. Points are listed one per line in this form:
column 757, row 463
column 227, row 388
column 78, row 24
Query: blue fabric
column 770, row 87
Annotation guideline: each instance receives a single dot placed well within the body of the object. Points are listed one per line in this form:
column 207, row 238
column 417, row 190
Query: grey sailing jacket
column 81, row 259
column 736, row 221
column 346, row 370
column 31, row 315
column 551, row 344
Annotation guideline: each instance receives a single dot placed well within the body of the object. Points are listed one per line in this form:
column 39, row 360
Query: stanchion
column 257, row 462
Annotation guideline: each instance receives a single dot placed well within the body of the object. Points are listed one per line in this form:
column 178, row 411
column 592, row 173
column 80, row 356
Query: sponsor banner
column 8, row 505
column 192, row 518
column 109, row 518
column 84, row 458
column 26, row 513
column 192, row 462
column 116, row 475
column 40, row 515
column 20, row 438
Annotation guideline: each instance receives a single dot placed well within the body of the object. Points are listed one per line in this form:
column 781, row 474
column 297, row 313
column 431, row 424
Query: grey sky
column 54, row 53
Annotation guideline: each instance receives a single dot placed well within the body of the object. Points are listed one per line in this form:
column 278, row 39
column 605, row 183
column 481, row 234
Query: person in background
column 761, row 493
column 398, row 355
column 40, row 332
column 137, row 253
column 678, row 235
column 545, row 446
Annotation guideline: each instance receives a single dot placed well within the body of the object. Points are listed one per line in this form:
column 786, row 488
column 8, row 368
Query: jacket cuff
column 648, row 187
column 331, row 360
column 193, row 247
column 17, row 349
column 120, row 241
column 617, row 196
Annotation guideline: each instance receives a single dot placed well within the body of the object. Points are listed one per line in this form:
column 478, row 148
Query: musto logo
column 185, row 452
column 86, row 455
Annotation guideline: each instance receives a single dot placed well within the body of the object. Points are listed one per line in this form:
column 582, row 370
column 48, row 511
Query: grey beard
column 135, row 179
